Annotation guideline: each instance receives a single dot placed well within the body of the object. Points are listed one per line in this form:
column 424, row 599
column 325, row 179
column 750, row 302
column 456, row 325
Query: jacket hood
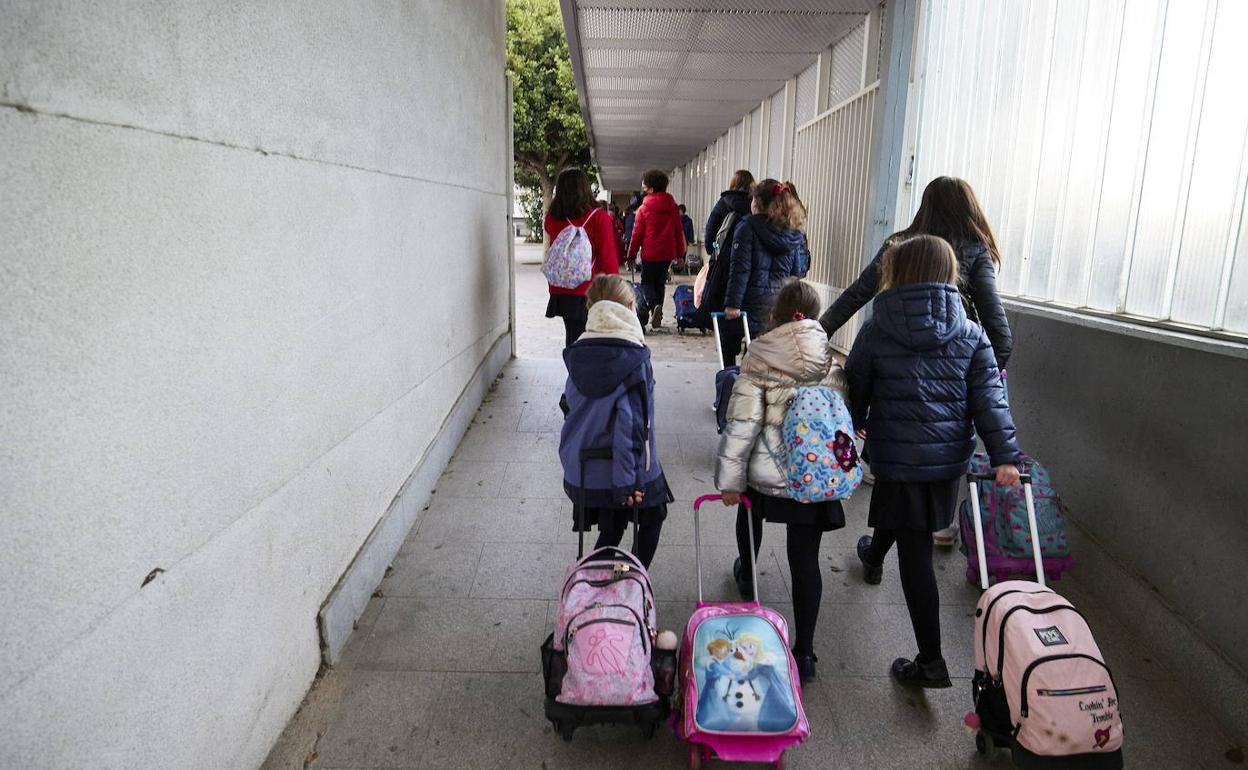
column 660, row 201
column 739, row 200
column 772, row 238
column 611, row 320
column 797, row 350
column 597, row 366
column 920, row 316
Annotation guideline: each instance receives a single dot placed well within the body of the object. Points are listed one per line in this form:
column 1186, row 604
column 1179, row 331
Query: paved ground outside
column 443, row 671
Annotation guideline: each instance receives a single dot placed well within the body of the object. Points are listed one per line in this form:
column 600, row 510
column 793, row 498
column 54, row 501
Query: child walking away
column 752, row 453
column 919, row 374
column 610, row 396
column 582, row 245
column 660, row 239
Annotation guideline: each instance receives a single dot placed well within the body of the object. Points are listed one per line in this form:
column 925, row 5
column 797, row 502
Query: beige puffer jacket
column 751, row 450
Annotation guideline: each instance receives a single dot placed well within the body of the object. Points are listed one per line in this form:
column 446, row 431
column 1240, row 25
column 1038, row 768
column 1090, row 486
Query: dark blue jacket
column 919, row 374
column 977, row 279
column 762, row 257
column 686, row 224
column 730, row 201
column 610, row 393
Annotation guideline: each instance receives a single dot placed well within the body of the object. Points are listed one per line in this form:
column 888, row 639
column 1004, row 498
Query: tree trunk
column 548, row 190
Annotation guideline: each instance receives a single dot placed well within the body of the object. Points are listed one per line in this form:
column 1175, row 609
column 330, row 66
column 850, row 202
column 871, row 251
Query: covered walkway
column 443, row 671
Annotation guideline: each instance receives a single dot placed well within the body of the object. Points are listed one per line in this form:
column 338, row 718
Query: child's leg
column 918, row 583
column 610, row 528
column 802, row 546
column 743, row 537
column 574, row 323
column 881, row 541
column 648, row 541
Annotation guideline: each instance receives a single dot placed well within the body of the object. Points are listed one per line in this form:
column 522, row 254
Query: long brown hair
column 949, row 209
column 921, row 259
column 779, row 202
column 795, row 300
column 742, row 180
column 573, row 196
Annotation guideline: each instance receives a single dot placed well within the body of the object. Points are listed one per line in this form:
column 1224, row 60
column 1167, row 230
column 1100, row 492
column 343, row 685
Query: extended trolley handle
column 974, row 480
column 697, row 541
column 719, row 349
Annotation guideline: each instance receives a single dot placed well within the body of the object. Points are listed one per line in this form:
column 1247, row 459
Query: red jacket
column 601, row 240
column 657, row 233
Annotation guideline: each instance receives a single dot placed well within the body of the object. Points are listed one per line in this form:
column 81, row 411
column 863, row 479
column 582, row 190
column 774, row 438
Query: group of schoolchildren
column 922, row 381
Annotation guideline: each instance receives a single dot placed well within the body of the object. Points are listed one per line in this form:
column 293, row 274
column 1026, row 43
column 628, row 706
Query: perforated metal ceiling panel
column 661, row 78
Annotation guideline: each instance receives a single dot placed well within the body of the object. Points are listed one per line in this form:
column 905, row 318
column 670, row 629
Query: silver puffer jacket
column 751, row 449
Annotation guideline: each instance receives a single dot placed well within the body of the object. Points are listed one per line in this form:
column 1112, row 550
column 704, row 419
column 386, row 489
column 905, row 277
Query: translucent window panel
column 1069, row 275
column 1211, row 210
column 1237, row 295
column 1171, row 123
column 1057, row 132
column 775, row 143
column 1123, row 149
column 756, row 135
column 807, row 94
column 999, row 145
column 846, row 72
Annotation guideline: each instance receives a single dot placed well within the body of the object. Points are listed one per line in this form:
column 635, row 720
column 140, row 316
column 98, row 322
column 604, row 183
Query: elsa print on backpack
column 742, row 677
column 569, row 261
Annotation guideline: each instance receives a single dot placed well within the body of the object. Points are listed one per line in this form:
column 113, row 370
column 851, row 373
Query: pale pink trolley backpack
column 1041, row 687
column 739, row 696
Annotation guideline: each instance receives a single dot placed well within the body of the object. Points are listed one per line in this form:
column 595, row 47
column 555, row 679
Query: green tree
column 549, row 130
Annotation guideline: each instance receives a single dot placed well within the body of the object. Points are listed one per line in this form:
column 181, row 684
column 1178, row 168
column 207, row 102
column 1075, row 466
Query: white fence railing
column 832, row 172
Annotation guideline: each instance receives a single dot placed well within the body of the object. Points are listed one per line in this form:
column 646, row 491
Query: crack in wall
column 26, row 108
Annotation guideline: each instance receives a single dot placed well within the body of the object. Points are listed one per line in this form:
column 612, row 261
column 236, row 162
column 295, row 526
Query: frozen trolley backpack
column 740, row 698
column 1041, row 686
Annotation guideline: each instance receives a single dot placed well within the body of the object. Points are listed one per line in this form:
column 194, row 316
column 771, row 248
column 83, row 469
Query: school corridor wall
column 253, row 254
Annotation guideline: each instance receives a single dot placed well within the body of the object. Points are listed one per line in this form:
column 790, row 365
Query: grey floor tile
column 382, row 721
column 500, row 446
column 520, row 571
column 472, row 479
column 433, row 567
column 493, row 520
column 539, row 478
column 456, row 635
column 542, row 415
column 674, row 575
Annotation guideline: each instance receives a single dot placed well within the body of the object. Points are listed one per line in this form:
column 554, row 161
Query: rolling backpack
column 822, row 461
column 569, row 260
column 686, row 313
column 726, row 377
column 1041, row 686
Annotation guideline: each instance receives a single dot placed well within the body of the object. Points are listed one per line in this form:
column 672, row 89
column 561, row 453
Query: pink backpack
column 606, row 628
column 1041, row 686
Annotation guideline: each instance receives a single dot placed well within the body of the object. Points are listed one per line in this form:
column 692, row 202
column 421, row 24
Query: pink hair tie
column 799, row 316
column 779, row 188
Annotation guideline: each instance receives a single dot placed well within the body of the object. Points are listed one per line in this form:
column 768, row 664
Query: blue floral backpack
column 819, row 438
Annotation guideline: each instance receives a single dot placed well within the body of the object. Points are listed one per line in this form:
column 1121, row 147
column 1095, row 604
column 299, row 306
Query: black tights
column 918, row 583
column 802, row 547
column 611, row 527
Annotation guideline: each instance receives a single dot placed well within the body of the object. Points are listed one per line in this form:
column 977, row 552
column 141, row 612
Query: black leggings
column 573, row 328
column 802, row 547
column 654, row 283
column 611, row 529
column 731, row 335
column 918, row 583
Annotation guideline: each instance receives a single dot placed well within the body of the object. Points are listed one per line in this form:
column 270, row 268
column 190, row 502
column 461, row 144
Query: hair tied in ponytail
column 780, row 188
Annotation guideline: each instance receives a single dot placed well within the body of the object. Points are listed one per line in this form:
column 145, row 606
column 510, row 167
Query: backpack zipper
column 1006, row 619
column 570, row 632
column 988, row 613
column 1023, row 709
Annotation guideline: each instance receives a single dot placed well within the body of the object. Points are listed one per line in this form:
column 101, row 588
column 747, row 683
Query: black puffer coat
column 731, row 201
column 919, row 373
column 763, row 255
column 977, row 280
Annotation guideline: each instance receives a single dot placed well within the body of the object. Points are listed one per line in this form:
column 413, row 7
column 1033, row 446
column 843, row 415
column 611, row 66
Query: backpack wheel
column 695, row 756
column 779, row 763
column 566, row 729
column 648, row 727
column 984, row 744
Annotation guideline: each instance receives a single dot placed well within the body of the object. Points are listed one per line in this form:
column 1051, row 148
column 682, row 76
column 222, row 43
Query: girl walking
column 573, row 204
column 751, row 457
column 920, row 373
column 607, row 445
column 733, row 206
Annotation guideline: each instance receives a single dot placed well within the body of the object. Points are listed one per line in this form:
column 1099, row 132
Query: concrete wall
column 1146, row 438
column 252, row 254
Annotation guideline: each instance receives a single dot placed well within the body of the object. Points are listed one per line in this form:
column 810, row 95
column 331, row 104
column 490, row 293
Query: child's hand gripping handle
column 697, row 541
column 974, row 480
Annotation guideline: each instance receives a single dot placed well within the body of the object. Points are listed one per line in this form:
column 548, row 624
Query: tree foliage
column 549, row 130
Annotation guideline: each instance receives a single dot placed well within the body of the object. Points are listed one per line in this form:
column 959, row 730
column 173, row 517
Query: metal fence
column 832, row 172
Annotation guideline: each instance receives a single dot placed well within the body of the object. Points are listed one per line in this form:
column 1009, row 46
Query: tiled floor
column 443, row 671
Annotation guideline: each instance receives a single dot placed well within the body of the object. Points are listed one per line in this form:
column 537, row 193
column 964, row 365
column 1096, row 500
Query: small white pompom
column 666, row 641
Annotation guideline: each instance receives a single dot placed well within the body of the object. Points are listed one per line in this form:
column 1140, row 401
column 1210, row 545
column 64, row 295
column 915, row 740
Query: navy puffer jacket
column 919, row 374
column 730, row 202
column 763, row 255
column 977, row 278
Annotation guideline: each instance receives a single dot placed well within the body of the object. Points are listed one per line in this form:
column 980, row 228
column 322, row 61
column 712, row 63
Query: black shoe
column 871, row 573
column 806, row 667
column 933, row 673
column 744, row 585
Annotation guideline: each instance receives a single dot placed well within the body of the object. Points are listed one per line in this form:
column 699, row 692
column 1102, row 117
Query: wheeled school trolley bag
column 726, row 377
column 597, row 664
column 686, row 313
column 1041, row 687
column 739, row 696
column 1004, row 510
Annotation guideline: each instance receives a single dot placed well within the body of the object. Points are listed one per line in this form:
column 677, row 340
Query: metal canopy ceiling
column 660, row 80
